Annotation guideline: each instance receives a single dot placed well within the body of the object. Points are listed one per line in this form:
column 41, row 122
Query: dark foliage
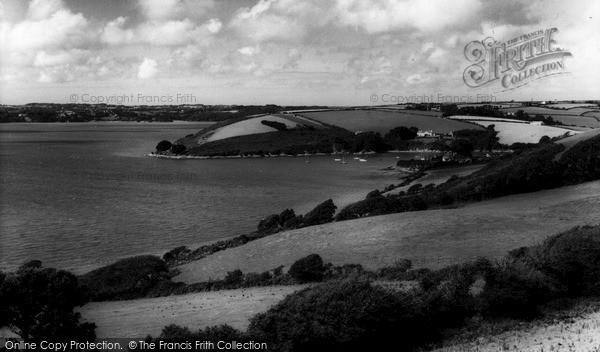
column 163, row 146
column 37, row 303
column 341, row 316
column 321, row 214
column 178, row 149
column 274, row 124
column 308, row 269
column 126, row 279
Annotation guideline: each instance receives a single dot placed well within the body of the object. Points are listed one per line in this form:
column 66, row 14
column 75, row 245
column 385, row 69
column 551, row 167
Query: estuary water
column 81, row 195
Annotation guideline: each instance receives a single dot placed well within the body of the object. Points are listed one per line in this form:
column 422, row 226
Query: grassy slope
column 510, row 133
column 383, row 121
column 433, row 238
column 233, row 307
column 300, row 140
column 579, row 333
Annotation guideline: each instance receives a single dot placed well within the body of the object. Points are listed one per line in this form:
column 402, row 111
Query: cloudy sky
column 334, row 52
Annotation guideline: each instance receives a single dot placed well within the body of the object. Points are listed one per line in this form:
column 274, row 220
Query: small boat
column 356, row 158
column 337, row 159
column 362, row 160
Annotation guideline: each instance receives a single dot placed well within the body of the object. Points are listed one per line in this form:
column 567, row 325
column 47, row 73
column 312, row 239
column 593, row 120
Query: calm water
column 82, row 195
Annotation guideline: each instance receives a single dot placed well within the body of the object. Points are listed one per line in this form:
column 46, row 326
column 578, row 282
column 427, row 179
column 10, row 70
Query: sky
column 286, row 52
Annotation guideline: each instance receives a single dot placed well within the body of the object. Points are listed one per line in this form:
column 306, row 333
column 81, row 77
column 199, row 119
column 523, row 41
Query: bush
column 178, row 149
column 126, row 279
column 321, row 214
column 341, row 316
column 163, row 146
column 274, row 124
column 38, row 302
column 235, row 277
column 516, row 290
column 572, row 258
column 308, row 269
column 269, row 223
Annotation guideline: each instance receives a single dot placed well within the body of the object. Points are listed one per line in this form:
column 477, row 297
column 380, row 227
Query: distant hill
column 276, row 134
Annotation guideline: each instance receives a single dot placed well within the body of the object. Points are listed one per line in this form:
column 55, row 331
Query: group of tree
column 38, row 303
column 354, row 313
column 166, row 146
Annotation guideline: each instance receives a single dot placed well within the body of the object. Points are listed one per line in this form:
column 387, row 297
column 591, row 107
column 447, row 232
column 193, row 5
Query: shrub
column 340, row 316
column 126, row 279
column 516, row 290
column 572, row 258
column 274, row 124
column 39, row 303
column 373, row 194
column 321, row 214
column 163, row 146
column 235, row 277
column 269, row 223
column 308, row 269
column 286, row 215
column 416, row 188
column 178, row 149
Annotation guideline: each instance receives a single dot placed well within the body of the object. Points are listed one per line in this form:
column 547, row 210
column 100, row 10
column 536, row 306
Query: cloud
column 248, row 50
column 166, row 33
column 59, row 58
column 405, row 15
column 50, row 27
column 161, row 10
column 283, row 20
column 148, row 69
column 214, row 25
column 41, row 9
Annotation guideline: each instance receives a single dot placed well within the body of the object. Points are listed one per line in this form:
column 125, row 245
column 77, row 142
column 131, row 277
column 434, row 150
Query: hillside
column 383, row 121
column 432, row 238
column 233, row 307
column 516, row 131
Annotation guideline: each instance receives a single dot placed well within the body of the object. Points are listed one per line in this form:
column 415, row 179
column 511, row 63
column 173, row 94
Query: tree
column 401, row 133
column 178, row 149
column 321, row 214
column 37, row 303
column 274, row 124
column 462, row 147
column 308, row 269
column 544, row 140
column 163, row 146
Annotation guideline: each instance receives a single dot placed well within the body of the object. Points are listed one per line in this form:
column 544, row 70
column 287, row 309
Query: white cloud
column 248, row 50
column 395, row 15
column 41, row 9
column 283, row 20
column 61, row 29
column 161, row 10
column 214, row 25
column 59, row 58
column 166, row 33
column 148, row 69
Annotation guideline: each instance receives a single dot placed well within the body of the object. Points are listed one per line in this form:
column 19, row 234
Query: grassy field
column 383, row 121
column 575, row 330
column 510, row 132
column 432, row 238
column 138, row 318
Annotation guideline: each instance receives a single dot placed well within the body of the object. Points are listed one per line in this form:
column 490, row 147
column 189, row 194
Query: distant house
column 536, row 123
column 428, row 133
